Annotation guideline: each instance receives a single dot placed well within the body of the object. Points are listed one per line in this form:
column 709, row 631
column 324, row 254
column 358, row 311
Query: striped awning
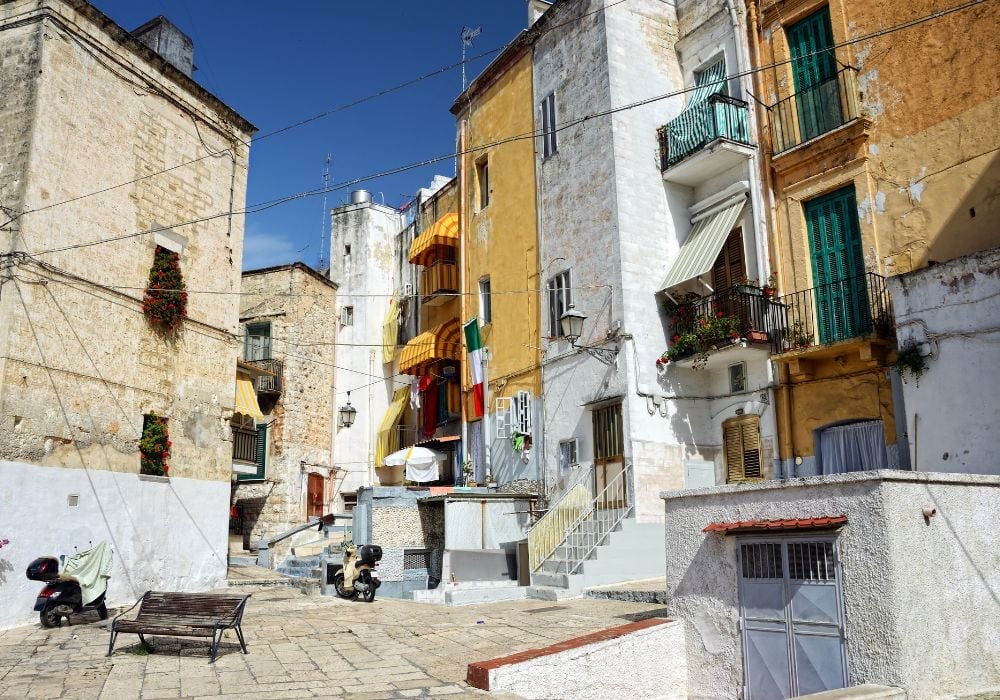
column 442, row 342
column 388, row 436
column 246, row 397
column 699, row 251
column 426, row 246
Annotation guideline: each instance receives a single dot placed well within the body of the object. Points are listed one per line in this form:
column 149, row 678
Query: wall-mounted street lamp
column 571, row 324
column 347, row 413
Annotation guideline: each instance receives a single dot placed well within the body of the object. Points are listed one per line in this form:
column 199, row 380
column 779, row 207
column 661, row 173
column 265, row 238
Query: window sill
column 154, row 477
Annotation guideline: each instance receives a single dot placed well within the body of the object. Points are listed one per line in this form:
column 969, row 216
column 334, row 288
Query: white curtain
column 853, row 447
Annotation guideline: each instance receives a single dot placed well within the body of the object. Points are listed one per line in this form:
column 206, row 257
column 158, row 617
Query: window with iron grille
column 257, row 342
column 738, row 377
column 741, row 441
column 567, row 454
column 761, row 561
column 415, row 561
column 811, row 561
column 560, row 297
column 548, row 110
column 520, row 418
column 347, row 316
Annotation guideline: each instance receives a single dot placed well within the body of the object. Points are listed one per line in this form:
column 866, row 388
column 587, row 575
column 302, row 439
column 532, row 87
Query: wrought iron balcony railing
column 727, row 315
column 814, row 111
column 437, row 278
column 849, row 308
column 719, row 117
column 269, row 385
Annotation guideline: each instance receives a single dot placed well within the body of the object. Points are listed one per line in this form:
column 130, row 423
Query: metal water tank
column 360, row 196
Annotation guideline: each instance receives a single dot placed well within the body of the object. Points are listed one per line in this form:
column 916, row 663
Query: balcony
column 828, row 314
column 814, row 111
column 739, row 317
column 268, row 384
column 705, row 140
column 438, row 283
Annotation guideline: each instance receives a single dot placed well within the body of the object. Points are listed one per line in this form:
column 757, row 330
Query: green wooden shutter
column 261, row 457
column 838, row 266
column 817, row 94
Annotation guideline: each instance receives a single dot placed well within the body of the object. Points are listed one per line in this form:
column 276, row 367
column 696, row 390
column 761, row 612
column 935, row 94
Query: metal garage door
column 791, row 617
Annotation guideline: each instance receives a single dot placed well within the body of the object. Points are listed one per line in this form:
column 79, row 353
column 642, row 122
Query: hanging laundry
column 415, row 393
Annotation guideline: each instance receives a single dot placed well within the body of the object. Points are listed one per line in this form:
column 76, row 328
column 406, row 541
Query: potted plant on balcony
column 771, row 286
column 467, row 473
column 491, row 483
column 748, row 285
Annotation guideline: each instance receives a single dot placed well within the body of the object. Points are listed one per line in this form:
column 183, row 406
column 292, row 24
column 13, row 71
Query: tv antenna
column 468, row 34
column 324, row 261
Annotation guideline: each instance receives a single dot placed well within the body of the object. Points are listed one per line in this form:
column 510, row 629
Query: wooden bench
column 184, row 615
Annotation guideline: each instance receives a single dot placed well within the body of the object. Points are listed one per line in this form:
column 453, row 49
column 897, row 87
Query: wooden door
column 314, row 495
column 609, row 458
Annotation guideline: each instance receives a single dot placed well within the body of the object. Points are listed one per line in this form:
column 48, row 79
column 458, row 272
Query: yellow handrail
column 550, row 531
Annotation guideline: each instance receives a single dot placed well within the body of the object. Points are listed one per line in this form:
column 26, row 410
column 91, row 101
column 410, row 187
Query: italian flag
column 474, row 347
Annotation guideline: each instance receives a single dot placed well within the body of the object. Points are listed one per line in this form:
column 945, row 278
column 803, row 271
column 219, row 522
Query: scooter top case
column 369, row 554
column 43, row 569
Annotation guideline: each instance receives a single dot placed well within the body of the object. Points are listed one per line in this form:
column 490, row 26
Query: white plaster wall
column 463, row 524
column 914, row 593
column 166, row 535
column 648, row 663
column 365, row 279
column 952, row 309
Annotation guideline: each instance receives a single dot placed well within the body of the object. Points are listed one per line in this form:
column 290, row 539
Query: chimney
column 173, row 45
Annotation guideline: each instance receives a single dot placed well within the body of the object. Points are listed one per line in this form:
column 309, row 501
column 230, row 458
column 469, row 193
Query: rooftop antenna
column 323, row 261
column 468, row 34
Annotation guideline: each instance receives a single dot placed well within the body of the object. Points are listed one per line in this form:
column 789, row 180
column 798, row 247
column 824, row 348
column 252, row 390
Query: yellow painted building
column 881, row 152
column 499, row 262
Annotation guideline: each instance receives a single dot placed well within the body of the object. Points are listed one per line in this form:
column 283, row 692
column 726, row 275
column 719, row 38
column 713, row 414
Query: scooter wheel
column 49, row 617
column 369, row 595
column 338, row 584
column 102, row 611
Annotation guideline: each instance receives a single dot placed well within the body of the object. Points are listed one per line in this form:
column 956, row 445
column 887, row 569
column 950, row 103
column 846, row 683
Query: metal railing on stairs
column 596, row 516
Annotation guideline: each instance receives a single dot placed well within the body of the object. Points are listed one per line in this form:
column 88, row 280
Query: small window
column 257, row 342
column 567, row 454
column 483, row 177
column 560, row 297
column 347, row 316
column 548, row 110
column 350, row 500
column 741, row 440
column 738, row 377
column 520, row 414
column 485, row 301
column 347, row 249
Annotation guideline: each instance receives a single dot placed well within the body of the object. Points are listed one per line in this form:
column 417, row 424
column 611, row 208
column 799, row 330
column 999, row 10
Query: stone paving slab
column 301, row 646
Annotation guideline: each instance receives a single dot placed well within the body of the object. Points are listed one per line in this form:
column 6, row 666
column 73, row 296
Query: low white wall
column 167, row 535
column 647, row 663
column 919, row 596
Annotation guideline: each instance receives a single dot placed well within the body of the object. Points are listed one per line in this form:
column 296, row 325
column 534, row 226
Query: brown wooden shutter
column 741, row 440
column 730, row 267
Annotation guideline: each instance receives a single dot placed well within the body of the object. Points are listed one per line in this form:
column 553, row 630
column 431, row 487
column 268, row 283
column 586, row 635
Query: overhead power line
column 263, row 206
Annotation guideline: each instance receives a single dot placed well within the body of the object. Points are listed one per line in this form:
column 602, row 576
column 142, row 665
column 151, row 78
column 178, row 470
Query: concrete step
column 246, row 559
column 550, row 593
column 548, row 578
column 301, row 567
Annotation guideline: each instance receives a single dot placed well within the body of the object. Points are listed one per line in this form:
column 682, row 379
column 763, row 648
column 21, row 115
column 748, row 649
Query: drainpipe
column 460, row 172
column 786, row 436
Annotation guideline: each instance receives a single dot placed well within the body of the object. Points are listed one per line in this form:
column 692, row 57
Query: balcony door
column 838, row 266
column 814, row 71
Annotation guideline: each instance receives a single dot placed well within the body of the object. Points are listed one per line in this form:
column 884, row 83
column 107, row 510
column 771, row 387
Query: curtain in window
column 853, row 448
column 694, row 125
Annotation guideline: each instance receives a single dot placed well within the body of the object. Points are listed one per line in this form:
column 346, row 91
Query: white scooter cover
column 91, row 569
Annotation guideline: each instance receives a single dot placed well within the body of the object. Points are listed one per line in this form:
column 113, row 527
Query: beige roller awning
column 246, row 397
column 699, row 251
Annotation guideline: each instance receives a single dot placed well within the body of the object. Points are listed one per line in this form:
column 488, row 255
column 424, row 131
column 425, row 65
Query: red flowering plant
column 699, row 334
column 154, row 446
column 165, row 301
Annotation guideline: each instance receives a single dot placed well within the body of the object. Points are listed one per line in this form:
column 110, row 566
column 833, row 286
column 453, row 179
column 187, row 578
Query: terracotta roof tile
column 822, row 523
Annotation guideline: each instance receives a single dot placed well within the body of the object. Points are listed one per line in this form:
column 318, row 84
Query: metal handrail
column 617, row 487
column 718, row 117
column 549, row 532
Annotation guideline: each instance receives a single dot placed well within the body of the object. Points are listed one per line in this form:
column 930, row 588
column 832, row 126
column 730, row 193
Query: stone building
column 95, row 125
column 289, row 319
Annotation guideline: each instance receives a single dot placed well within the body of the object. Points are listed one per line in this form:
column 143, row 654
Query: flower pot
column 768, row 291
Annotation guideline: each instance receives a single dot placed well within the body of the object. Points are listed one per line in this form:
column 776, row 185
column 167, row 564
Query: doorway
column 791, row 617
column 314, row 495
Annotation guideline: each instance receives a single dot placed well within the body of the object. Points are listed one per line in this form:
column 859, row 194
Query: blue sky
column 279, row 62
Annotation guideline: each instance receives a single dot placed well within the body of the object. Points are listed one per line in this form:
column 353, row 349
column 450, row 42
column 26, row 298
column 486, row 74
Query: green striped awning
column 699, row 251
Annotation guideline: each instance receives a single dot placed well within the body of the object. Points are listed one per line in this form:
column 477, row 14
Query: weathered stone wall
column 301, row 307
column 82, row 365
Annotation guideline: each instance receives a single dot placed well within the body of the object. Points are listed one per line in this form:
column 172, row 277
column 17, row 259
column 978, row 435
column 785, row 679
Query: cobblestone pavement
column 301, row 646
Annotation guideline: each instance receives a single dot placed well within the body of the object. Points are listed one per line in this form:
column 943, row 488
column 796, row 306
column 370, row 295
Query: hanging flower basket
column 154, row 446
column 165, row 301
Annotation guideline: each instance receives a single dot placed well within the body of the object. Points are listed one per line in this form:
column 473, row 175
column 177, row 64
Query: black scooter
column 62, row 595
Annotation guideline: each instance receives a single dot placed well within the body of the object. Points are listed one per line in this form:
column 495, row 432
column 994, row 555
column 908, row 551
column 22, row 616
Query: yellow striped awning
column 426, row 246
column 390, row 330
column 246, row 397
column 442, row 342
column 388, row 437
